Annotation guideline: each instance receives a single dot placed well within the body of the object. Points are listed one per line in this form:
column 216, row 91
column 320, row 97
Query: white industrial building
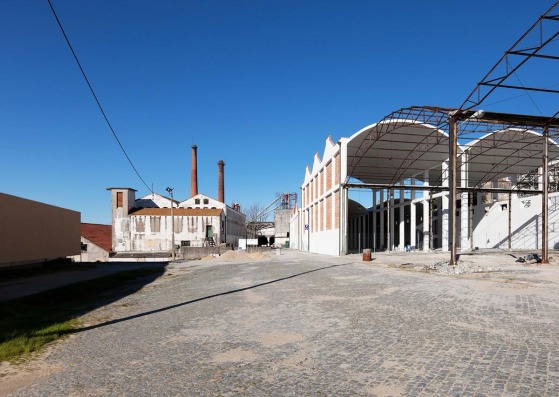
column 388, row 187
column 150, row 224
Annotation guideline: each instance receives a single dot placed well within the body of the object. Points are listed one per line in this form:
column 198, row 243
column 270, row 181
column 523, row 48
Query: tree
column 254, row 213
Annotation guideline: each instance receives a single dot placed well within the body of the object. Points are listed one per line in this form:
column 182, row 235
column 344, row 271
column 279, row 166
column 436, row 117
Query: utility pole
column 170, row 191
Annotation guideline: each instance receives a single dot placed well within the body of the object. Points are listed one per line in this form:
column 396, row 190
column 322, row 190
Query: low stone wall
column 201, row 252
column 251, row 250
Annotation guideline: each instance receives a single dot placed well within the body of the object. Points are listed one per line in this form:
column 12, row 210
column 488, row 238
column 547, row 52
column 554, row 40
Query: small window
column 84, row 247
column 196, row 201
column 118, row 199
column 206, row 201
column 185, row 243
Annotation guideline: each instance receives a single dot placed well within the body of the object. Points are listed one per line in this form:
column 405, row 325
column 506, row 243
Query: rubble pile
column 462, row 267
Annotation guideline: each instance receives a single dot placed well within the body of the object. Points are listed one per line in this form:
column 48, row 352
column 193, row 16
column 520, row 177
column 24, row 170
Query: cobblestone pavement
column 308, row 325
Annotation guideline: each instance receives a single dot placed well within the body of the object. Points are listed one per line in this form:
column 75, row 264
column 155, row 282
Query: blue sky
column 259, row 84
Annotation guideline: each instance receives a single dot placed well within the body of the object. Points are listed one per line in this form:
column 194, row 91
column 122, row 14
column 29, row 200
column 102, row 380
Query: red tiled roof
column 100, row 235
column 178, row 211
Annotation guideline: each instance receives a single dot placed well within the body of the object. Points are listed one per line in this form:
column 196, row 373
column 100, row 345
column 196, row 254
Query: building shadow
column 32, row 314
column 163, row 309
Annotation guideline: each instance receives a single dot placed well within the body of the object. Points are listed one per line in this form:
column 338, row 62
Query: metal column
column 452, row 150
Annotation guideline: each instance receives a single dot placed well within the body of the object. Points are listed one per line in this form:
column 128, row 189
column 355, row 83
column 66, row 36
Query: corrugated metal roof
column 178, row 212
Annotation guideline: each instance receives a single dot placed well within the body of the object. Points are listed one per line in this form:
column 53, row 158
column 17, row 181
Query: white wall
column 491, row 231
column 145, row 236
column 294, row 228
column 325, row 242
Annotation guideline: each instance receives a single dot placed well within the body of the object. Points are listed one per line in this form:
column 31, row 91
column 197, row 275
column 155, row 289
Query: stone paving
column 308, row 325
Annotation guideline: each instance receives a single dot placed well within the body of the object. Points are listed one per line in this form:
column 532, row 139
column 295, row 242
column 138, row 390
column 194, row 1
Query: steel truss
column 535, row 137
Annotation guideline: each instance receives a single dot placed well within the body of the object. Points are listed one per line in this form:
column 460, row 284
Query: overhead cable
column 95, row 97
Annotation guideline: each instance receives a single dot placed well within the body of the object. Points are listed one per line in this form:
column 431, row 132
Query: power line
column 95, row 97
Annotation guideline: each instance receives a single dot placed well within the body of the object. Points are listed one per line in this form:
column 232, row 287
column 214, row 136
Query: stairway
column 210, row 242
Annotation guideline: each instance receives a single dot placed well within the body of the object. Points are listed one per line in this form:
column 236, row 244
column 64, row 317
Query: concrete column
column 375, row 216
column 413, row 227
column 465, row 206
column 444, row 210
column 464, row 222
column 391, row 223
column 514, row 182
column 402, row 222
column 413, row 232
column 381, row 217
column 426, row 212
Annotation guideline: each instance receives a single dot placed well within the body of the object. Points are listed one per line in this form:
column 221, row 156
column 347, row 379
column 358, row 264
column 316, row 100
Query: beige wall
column 94, row 253
column 33, row 232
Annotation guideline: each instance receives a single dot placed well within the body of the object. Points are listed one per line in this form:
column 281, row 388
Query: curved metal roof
column 393, row 150
column 412, row 140
column 503, row 153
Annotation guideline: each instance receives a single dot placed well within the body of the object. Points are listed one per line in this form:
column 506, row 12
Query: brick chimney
column 220, row 187
column 194, row 173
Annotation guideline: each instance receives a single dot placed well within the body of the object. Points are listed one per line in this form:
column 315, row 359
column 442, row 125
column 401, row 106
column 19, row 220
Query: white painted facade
column 491, row 230
column 316, row 224
column 402, row 221
column 145, row 224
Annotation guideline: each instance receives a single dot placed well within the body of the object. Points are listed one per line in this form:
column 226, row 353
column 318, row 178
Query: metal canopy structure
column 478, row 147
column 411, row 140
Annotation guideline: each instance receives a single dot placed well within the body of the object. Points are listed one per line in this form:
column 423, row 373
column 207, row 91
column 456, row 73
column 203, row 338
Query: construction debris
column 529, row 259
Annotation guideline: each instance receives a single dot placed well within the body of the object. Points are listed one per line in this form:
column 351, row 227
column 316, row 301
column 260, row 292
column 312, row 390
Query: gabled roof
column 178, row 212
column 100, row 235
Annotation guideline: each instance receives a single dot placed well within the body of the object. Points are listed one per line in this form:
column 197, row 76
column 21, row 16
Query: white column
column 514, row 182
column 494, row 196
column 375, row 216
column 413, row 232
column 413, row 226
column 381, row 216
column 465, row 206
column 402, row 222
column 392, row 223
column 444, row 210
column 426, row 211
column 464, row 222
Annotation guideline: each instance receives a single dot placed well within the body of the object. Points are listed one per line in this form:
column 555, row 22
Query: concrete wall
column 294, row 230
column 491, row 228
column 235, row 227
column 94, row 253
column 34, row 232
column 201, row 252
column 281, row 222
column 120, row 220
column 153, row 233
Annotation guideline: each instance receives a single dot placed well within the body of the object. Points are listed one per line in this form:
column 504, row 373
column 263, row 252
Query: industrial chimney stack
column 220, row 187
column 194, row 173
